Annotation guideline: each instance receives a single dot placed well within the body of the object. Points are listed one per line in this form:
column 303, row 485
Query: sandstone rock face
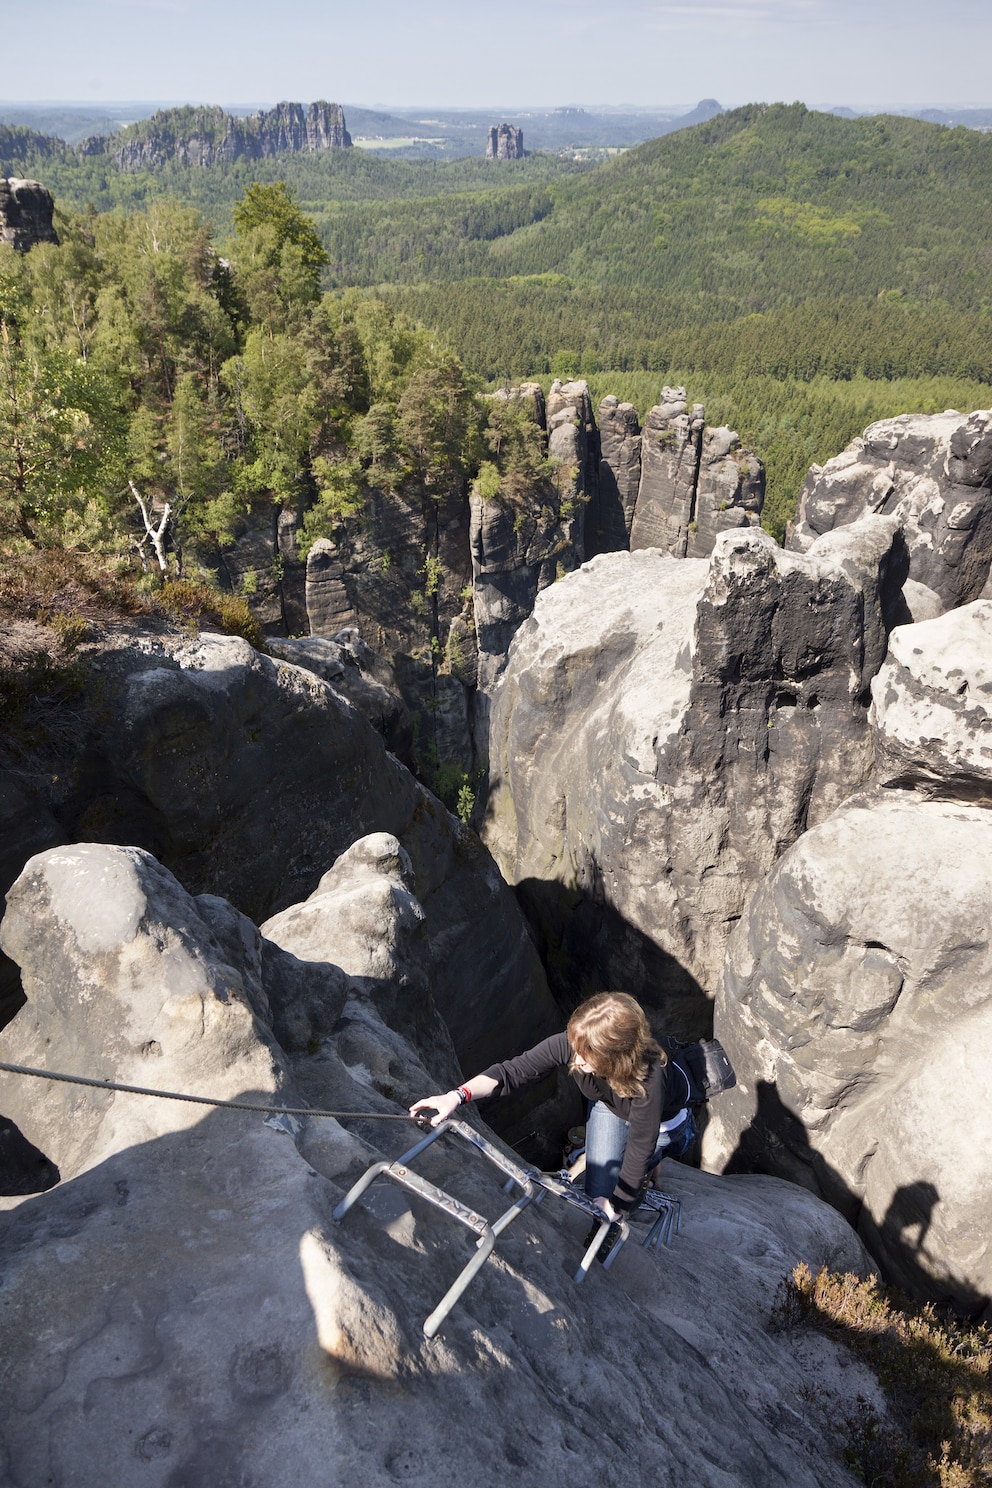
column 250, row 777
column 858, row 1009
column 365, row 679
column 213, row 1323
column 573, row 440
column 518, row 551
column 932, row 706
column 858, row 991
column 932, row 472
column 695, row 482
column 328, row 606
column 401, row 577
column 263, row 565
column 211, row 135
column 504, row 142
column 489, row 561
column 26, row 209
column 720, row 709
column 730, row 491
column 670, row 453
column 124, row 981
column 609, row 519
column 364, row 917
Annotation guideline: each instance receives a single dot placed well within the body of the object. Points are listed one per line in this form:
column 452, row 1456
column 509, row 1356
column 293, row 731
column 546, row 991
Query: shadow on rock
column 899, row 1244
column 587, row 946
column 776, row 1142
column 23, row 1169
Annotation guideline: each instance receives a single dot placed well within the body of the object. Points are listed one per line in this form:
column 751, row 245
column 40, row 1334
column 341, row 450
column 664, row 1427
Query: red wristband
column 465, row 1094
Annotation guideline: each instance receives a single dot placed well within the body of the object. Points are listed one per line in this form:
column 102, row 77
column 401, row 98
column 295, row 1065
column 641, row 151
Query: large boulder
column 857, row 1002
column 857, row 1008
column 125, row 981
column 364, row 917
column 665, row 729
column 934, row 473
column 368, row 681
column 932, row 707
column 249, row 777
column 212, row 1323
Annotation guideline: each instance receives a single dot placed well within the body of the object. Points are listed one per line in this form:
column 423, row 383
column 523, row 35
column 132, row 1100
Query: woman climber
column 637, row 1096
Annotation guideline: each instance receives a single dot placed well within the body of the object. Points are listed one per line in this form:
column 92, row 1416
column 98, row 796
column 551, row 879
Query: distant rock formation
column 26, row 209
column 706, row 108
column 203, row 136
column 675, row 484
column 504, row 142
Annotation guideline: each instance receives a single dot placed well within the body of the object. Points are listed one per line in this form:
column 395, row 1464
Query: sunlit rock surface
column 932, row 472
column 857, row 1008
column 665, row 730
column 182, row 1308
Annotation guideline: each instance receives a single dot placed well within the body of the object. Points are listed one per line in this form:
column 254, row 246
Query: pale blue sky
column 881, row 53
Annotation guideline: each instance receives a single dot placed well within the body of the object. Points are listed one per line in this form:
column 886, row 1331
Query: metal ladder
column 534, row 1186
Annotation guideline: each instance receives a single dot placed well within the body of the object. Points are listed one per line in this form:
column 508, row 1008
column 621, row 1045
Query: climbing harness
column 534, row 1184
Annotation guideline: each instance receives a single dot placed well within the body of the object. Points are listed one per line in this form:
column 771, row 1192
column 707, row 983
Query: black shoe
column 612, row 1236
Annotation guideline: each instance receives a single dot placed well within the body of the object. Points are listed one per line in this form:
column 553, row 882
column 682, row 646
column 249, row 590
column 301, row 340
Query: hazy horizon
column 146, row 105
column 892, row 53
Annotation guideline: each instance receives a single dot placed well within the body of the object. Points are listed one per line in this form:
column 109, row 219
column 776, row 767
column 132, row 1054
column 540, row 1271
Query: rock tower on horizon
column 505, row 142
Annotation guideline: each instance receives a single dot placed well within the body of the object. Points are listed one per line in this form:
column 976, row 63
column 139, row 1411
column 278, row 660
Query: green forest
column 150, row 386
column 802, row 274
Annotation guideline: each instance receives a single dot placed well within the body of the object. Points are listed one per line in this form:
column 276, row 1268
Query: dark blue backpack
column 705, row 1065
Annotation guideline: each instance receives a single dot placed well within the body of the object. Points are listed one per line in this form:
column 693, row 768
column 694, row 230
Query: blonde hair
column 611, row 1032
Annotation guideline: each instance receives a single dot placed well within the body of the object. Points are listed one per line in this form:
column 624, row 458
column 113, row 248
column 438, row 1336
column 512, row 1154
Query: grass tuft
column 64, row 590
column 936, row 1373
column 191, row 603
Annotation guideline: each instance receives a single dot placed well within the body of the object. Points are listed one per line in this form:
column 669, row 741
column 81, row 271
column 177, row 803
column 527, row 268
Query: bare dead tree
column 156, row 534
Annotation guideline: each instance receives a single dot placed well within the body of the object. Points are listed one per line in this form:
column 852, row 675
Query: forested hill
column 805, row 273
column 760, row 209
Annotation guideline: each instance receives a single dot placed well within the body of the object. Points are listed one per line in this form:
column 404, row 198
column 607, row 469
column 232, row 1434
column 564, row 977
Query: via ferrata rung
column 534, row 1185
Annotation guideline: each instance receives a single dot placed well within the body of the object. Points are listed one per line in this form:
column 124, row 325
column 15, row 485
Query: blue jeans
column 606, row 1138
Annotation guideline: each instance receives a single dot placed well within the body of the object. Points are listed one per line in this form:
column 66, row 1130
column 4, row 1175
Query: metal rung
column 669, row 1221
column 400, row 1172
column 534, row 1185
column 438, row 1198
column 561, row 1185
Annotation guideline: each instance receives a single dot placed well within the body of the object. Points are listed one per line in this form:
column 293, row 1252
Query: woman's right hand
column 445, row 1105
